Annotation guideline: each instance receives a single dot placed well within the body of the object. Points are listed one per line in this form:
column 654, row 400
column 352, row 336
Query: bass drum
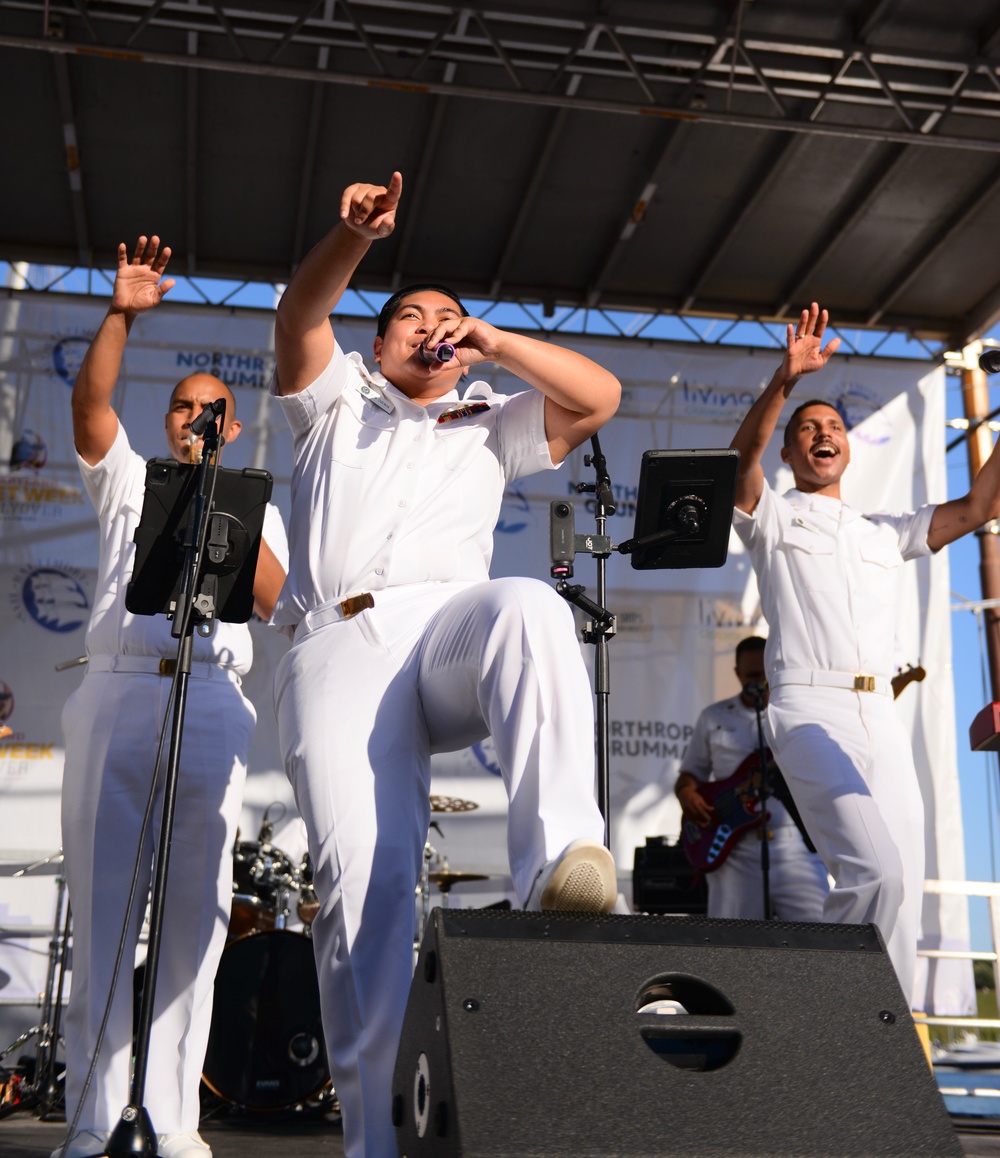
column 265, row 1049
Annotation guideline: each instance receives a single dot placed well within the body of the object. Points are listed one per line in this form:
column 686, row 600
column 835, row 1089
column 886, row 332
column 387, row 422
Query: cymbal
column 451, row 804
column 445, row 878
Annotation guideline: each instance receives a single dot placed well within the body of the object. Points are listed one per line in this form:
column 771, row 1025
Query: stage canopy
column 699, row 156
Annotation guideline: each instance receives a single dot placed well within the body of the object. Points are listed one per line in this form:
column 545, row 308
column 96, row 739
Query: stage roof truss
column 612, row 98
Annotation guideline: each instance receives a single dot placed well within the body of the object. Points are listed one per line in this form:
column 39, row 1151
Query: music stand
column 240, row 498
column 683, row 514
column 195, row 562
column 684, row 509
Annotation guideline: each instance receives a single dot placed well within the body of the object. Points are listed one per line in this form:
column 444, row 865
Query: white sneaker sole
column 584, row 881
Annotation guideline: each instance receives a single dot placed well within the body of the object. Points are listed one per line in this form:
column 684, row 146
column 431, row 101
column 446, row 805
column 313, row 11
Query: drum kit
column 435, row 869
column 265, row 1048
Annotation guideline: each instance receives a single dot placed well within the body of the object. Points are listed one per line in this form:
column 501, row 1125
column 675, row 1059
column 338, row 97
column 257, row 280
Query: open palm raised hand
column 138, row 285
column 806, row 352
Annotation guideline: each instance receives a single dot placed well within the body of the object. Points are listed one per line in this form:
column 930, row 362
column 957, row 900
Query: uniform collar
column 473, row 390
column 832, row 508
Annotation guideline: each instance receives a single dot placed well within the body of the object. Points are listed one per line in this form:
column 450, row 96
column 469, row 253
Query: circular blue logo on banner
column 514, row 499
column 67, row 357
column 55, row 599
column 29, row 450
column 486, row 754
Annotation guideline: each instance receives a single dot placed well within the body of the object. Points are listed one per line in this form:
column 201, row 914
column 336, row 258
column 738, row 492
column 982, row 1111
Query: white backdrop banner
column 673, row 652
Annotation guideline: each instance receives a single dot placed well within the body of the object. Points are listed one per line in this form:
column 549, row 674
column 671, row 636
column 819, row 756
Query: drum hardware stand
column 195, row 608
column 44, row 1092
column 424, row 887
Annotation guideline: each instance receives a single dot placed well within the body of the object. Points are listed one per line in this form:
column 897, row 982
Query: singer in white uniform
column 827, row 578
column 725, row 734
column 112, row 723
column 403, row 646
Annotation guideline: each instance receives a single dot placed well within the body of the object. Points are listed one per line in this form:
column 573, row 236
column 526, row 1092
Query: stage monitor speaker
column 543, row 1034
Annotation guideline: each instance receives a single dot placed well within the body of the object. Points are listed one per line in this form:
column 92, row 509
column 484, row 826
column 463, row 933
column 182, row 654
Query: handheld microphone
column 208, row 416
column 442, row 352
column 989, row 361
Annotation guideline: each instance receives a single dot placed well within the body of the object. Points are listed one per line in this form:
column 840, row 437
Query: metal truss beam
column 523, row 55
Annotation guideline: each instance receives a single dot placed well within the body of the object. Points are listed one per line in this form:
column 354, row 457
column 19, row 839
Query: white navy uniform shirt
column 116, row 486
column 384, row 495
column 828, row 580
column 724, row 735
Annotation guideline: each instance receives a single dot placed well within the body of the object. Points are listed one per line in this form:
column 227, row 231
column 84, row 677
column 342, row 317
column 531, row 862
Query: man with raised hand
column 112, row 724
column 403, row 644
column 827, row 577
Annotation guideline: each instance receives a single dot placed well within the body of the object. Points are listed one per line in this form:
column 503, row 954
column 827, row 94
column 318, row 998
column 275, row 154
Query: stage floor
column 23, row 1136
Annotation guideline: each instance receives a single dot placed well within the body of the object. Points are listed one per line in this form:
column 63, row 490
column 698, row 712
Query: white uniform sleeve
column 760, row 531
column 521, row 440
column 301, row 410
column 912, row 529
column 109, row 481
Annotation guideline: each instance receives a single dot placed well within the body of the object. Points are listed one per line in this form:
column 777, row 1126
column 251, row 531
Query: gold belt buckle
column 863, row 683
column 168, row 667
column 357, row 603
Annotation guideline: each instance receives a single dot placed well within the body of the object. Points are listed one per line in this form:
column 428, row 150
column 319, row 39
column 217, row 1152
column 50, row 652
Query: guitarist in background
column 724, row 736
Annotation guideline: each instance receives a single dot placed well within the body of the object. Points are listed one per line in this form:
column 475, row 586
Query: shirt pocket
column 361, row 435
column 809, row 553
column 728, row 748
column 881, row 548
column 457, row 444
column 881, row 559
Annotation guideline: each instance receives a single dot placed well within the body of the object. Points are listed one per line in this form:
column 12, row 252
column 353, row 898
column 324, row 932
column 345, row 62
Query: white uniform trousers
column 362, row 703
column 797, row 879
column 849, row 764
column 111, row 724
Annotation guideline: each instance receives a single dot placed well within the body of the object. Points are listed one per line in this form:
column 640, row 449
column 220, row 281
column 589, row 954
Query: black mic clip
column 208, row 416
column 756, row 692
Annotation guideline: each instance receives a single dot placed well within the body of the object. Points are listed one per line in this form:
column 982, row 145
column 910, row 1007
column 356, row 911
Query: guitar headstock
column 910, row 675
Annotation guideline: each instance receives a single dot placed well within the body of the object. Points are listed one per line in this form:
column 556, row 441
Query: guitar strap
column 779, row 789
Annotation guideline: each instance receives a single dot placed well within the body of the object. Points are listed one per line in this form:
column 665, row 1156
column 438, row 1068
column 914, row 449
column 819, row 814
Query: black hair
column 751, row 643
column 390, row 307
column 790, row 424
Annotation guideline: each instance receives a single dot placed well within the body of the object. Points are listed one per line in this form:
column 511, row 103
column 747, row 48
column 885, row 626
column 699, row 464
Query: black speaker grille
column 613, row 928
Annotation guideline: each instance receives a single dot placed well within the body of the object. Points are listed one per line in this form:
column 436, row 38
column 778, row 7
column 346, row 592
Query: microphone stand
column 762, row 794
column 602, row 625
column 134, row 1134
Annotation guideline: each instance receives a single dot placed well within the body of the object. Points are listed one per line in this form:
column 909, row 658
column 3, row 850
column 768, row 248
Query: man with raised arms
column 112, row 724
column 827, row 578
column 403, row 645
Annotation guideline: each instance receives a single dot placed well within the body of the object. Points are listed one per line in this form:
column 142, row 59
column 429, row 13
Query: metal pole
column 976, row 404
